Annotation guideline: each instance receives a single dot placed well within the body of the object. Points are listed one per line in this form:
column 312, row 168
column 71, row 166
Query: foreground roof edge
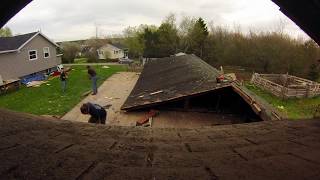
column 304, row 13
column 10, row 8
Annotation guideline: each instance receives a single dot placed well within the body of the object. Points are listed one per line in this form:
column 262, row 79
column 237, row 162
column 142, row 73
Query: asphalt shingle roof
column 171, row 78
column 118, row 45
column 13, row 43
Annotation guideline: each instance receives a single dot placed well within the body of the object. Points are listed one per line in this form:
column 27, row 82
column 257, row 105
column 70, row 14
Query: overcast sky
column 76, row 19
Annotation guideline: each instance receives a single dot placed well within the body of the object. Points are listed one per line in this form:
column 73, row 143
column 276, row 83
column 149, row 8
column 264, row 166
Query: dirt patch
column 113, row 91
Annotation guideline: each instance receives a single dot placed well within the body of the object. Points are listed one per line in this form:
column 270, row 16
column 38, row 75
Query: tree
column 5, row 32
column 107, row 54
column 168, row 39
column 198, row 36
column 313, row 73
column 185, row 27
column 70, row 51
column 151, row 41
column 134, row 41
column 93, row 45
column 263, row 52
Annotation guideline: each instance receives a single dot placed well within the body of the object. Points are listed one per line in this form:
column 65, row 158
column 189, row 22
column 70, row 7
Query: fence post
column 317, row 111
column 307, row 90
column 253, row 78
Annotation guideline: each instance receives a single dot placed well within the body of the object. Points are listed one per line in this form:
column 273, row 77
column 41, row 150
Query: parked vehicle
column 125, row 61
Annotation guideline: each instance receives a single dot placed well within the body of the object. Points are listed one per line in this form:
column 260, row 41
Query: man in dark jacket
column 93, row 77
column 63, row 79
column 98, row 113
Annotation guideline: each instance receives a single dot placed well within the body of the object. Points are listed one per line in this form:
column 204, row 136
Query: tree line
column 264, row 52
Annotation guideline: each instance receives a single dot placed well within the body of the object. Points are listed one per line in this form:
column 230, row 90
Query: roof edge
column 38, row 33
column 131, row 108
column 24, row 44
column 9, row 51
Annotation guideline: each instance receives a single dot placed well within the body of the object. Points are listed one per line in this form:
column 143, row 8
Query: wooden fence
column 286, row 86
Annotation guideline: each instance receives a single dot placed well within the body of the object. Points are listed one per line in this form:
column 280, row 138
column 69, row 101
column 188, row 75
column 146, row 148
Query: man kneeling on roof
column 98, row 113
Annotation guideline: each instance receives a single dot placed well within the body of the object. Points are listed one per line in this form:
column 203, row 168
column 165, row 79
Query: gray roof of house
column 13, row 43
column 118, row 45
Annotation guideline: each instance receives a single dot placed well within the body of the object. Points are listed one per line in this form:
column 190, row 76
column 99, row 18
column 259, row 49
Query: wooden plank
column 255, row 107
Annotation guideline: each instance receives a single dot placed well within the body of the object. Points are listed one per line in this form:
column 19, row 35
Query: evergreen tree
column 198, row 37
column 151, row 41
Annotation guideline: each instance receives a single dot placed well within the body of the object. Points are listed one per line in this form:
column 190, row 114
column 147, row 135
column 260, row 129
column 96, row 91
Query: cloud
column 76, row 19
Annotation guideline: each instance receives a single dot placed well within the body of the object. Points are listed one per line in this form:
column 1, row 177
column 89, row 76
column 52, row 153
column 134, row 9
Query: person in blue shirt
column 93, row 77
column 98, row 113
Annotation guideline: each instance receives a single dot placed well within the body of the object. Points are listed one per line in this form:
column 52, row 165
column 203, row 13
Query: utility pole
column 97, row 28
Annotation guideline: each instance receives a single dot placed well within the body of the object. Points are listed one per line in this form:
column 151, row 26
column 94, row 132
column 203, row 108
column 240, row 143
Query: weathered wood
column 292, row 86
column 255, row 107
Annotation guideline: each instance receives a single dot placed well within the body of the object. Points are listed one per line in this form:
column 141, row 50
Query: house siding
column 17, row 64
column 110, row 50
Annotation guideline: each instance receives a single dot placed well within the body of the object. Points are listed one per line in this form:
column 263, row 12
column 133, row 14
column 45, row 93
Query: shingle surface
column 171, row 78
column 13, row 43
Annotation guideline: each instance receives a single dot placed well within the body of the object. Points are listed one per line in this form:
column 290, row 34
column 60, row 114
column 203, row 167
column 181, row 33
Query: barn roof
column 171, row 78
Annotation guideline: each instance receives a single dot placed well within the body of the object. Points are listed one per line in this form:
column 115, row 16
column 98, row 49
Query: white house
column 113, row 51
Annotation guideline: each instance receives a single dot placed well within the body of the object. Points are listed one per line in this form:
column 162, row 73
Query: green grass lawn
column 294, row 108
column 80, row 60
column 48, row 99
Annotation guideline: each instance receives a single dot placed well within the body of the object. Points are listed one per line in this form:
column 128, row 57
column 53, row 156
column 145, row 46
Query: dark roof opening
column 223, row 106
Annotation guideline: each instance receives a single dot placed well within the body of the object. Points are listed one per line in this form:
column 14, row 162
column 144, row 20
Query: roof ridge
column 15, row 43
column 19, row 35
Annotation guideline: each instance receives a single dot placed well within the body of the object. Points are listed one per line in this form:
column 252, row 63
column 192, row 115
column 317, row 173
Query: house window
column 46, row 52
column 33, row 55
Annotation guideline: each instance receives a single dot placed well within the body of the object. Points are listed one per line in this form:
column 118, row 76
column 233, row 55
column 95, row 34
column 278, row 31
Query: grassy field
column 48, row 99
column 85, row 60
column 80, row 60
column 294, row 108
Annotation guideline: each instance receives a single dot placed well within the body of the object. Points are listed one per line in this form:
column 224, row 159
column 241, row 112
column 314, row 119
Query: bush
column 70, row 51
